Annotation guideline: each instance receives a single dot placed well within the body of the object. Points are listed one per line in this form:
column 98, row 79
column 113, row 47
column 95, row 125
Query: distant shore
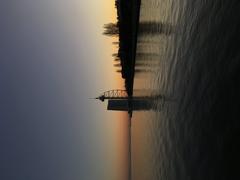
column 135, row 25
column 126, row 29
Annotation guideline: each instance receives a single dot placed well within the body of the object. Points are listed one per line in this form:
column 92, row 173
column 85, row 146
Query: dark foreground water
column 188, row 51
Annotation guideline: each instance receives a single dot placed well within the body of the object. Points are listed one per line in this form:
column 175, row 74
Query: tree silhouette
column 111, row 29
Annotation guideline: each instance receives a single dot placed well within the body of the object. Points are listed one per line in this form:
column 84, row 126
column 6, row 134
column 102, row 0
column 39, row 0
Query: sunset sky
column 53, row 59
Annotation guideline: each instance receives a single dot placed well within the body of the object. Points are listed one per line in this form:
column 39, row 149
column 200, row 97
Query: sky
column 53, row 58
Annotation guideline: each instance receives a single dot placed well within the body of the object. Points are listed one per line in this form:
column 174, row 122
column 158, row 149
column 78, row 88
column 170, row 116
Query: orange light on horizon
column 120, row 136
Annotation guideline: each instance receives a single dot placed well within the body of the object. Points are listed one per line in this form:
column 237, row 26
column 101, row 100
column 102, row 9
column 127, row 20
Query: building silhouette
column 118, row 100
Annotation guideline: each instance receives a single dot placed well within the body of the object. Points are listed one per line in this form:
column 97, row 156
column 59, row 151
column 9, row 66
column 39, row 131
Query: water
column 188, row 51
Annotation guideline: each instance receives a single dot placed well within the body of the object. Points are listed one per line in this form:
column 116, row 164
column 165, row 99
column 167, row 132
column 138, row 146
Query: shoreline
column 135, row 26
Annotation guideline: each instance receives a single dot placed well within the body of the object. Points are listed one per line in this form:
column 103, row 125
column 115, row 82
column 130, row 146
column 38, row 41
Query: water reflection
column 143, row 70
column 136, row 103
column 146, row 63
column 152, row 27
column 196, row 137
column 143, row 56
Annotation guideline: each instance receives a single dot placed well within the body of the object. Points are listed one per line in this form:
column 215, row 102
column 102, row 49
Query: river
column 187, row 51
